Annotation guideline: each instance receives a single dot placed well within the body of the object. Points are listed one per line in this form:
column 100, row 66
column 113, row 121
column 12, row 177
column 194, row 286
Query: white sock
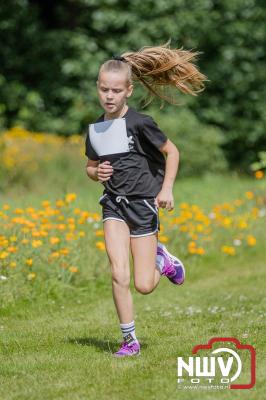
column 128, row 332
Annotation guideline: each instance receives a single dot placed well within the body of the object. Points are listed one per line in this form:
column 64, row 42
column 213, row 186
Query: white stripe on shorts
column 117, row 219
column 153, row 209
column 146, row 234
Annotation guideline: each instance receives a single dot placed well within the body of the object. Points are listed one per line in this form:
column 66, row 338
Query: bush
column 198, row 144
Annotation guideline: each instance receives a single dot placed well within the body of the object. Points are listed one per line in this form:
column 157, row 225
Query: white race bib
column 109, row 137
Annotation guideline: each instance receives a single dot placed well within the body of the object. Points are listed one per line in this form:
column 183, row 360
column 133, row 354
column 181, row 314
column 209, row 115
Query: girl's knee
column 120, row 275
column 144, row 288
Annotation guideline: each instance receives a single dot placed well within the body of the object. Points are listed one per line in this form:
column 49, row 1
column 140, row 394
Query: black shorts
column 140, row 214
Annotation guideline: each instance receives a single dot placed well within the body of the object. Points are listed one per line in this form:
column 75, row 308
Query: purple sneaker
column 128, row 349
column 173, row 268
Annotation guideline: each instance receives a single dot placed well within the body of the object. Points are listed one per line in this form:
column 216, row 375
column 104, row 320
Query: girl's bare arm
column 172, row 162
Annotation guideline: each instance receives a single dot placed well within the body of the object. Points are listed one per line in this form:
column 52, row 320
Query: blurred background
column 58, row 321
column 51, row 52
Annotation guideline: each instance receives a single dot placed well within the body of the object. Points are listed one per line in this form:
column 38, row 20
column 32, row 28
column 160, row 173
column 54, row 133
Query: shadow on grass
column 101, row 344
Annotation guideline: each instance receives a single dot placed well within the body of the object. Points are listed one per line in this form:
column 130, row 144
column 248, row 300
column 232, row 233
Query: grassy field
column 57, row 338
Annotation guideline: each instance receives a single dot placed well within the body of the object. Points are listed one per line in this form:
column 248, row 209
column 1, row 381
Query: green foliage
column 198, row 144
column 261, row 164
column 48, row 78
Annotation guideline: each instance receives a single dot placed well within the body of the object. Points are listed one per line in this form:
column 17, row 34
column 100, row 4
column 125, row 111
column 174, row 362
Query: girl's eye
column 116, row 91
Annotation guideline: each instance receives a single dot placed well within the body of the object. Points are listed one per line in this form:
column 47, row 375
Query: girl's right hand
column 104, row 171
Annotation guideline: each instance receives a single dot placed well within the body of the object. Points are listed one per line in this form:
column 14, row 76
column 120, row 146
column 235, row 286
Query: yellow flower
column 31, row 276
column 251, row 240
column 6, row 207
column 228, row 250
column 46, row 203
column 227, row 221
column 73, row 269
column 54, row 240
column 4, row 254
column 29, row 261
column 192, row 250
column 249, row 195
column 35, row 234
column 100, row 245
column 13, row 264
column 36, row 243
column 163, row 238
column 64, row 251
column 99, row 232
column 59, row 203
column 200, row 250
column 25, row 241
column 70, row 197
column 199, row 228
column 71, row 227
column 12, row 249
column 184, row 206
column 259, row 174
column 61, row 227
column 13, row 238
column 18, row 211
column 55, row 254
column 242, row 224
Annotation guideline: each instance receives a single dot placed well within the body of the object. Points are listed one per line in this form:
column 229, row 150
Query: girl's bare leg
column 117, row 241
column 144, row 251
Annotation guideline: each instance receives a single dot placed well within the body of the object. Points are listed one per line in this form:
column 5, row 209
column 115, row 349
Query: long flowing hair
column 160, row 69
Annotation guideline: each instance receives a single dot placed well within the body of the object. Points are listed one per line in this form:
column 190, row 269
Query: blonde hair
column 160, row 69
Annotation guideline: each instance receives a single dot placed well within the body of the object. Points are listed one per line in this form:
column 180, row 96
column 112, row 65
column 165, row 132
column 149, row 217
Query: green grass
column 59, row 345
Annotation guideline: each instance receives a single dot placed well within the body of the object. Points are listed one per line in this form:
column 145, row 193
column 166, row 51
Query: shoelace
column 169, row 270
column 126, row 346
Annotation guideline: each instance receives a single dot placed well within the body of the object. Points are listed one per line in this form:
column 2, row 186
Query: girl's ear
column 130, row 88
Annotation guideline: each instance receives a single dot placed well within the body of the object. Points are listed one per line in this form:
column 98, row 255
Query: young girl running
column 137, row 165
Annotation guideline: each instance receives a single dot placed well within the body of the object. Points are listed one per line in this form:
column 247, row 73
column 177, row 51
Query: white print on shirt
column 110, row 137
column 131, row 142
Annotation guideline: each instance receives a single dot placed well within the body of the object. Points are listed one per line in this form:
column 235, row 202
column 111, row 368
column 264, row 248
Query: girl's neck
column 120, row 115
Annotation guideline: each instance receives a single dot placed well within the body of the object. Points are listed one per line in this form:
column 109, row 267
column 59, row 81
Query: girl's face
column 113, row 91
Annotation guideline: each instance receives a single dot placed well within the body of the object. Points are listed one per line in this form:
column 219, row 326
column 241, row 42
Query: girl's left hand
column 165, row 199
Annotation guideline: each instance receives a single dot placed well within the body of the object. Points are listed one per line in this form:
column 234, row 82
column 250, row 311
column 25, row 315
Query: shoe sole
column 126, row 355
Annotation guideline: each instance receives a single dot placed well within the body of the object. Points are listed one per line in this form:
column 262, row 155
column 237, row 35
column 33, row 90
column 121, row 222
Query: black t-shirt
column 131, row 144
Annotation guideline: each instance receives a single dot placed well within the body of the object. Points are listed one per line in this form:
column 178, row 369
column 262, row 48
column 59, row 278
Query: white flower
column 262, row 212
column 237, row 242
column 3, row 278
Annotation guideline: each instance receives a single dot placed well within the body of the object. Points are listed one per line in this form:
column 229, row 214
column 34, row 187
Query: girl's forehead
column 113, row 79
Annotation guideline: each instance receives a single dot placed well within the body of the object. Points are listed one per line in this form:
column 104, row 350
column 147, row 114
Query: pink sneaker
column 173, row 268
column 128, row 349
